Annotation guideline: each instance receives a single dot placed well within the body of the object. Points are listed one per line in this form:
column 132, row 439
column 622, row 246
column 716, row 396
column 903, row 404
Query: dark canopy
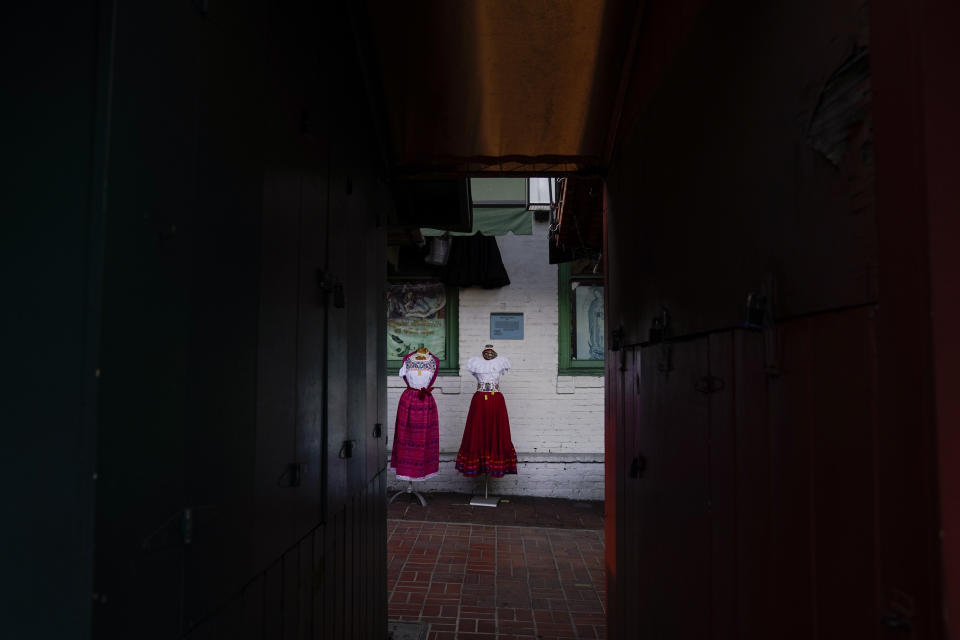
column 527, row 86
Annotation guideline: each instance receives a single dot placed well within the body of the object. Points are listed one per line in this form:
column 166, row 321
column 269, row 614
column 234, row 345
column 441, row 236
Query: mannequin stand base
column 409, row 490
column 486, row 500
column 479, row 501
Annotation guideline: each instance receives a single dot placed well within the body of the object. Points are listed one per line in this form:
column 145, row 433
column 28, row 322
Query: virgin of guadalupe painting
column 588, row 300
column 416, row 317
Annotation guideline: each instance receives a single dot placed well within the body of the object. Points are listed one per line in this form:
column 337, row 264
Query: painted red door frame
column 915, row 50
column 612, row 491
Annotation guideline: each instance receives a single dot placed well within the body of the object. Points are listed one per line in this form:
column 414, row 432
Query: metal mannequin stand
column 419, row 496
column 486, row 500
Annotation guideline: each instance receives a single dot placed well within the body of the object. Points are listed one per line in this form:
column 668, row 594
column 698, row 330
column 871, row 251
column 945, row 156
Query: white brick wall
column 556, row 421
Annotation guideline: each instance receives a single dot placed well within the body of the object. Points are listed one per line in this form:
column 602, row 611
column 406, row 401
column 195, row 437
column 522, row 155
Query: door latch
column 346, row 449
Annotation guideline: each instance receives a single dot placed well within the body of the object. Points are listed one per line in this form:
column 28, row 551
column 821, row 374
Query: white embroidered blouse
column 488, row 371
column 419, row 374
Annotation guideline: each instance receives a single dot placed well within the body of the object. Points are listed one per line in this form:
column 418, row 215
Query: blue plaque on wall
column 506, row 326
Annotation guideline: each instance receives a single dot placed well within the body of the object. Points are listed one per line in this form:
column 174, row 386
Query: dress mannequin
column 486, row 446
column 416, row 436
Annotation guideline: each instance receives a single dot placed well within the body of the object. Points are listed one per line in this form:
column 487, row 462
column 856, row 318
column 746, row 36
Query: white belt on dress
column 488, row 387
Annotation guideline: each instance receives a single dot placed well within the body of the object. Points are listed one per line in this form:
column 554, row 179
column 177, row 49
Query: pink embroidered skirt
column 486, row 446
column 416, row 437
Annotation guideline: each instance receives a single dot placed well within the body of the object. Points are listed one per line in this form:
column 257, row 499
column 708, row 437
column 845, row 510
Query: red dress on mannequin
column 486, row 446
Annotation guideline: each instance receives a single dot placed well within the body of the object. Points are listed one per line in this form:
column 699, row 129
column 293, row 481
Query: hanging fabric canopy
column 526, row 86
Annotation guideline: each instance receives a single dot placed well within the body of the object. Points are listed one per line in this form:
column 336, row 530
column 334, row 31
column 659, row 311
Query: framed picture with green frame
column 422, row 312
column 581, row 319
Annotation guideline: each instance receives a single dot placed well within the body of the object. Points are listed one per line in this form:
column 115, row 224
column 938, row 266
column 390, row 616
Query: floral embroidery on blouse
column 419, row 374
column 428, row 365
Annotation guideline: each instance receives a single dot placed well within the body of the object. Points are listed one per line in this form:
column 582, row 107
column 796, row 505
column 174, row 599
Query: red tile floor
column 493, row 581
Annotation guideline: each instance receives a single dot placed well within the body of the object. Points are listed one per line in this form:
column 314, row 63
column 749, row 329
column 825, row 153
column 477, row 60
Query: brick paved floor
column 486, row 582
column 516, row 510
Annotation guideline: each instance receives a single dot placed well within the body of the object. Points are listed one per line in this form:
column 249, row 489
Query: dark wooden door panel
column 616, row 505
column 636, row 413
column 55, row 157
column 337, row 409
column 225, row 278
column 222, row 224
column 340, row 267
column 357, row 261
column 717, row 386
column 790, row 453
column 313, row 304
column 355, row 279
column 843, row 428
column 276, row 368
column 822, row 435
column 374, row 288
column 754, row 501
column 754, row 575
column 293, row 231
column 252, row 600
column 146, row 323
column 913, row 51
column 647, row 520
column 673, row 495
column 312, row 375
